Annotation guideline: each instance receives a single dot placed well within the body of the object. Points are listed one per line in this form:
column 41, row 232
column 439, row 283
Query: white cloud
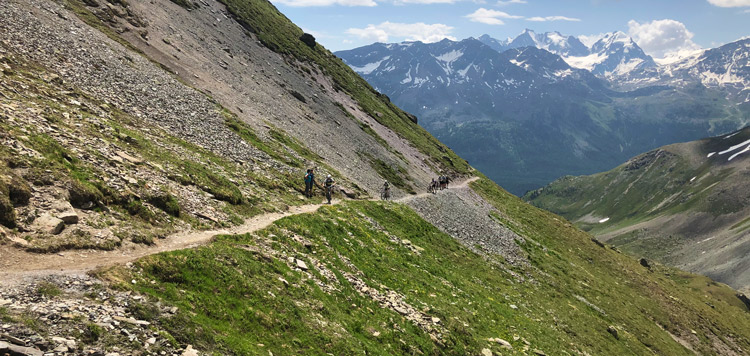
column 552, row 18
column 729, row 3
column 490, row 17
column 310, row 3
column 403, row 31
column 660, row 38
column 510, row 2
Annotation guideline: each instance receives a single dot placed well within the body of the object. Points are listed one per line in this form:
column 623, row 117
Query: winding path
column 17, row 265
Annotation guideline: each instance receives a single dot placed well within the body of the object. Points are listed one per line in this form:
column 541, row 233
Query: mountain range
column 529, row 110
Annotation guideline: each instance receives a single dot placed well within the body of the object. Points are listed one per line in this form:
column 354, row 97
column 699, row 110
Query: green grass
column 232, row 298
column 48, row 289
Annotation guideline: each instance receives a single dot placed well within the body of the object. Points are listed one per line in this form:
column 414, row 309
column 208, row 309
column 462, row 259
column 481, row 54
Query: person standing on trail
column 329, row 187
column 309, row 179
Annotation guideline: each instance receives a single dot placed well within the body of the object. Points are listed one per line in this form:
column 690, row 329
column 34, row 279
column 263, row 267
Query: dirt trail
column 17, row 265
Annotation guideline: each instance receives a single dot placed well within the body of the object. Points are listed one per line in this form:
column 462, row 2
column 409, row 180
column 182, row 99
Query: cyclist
column 329, row 182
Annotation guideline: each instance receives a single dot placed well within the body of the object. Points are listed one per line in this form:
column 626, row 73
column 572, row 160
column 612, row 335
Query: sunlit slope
column 684, row 204
column 377, row 279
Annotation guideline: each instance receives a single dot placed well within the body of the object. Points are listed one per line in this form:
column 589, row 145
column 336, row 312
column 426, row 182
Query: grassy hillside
column 246, row 294
column 663, row 204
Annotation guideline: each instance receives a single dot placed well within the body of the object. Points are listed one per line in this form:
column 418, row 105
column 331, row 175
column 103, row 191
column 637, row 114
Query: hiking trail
column 17, row 265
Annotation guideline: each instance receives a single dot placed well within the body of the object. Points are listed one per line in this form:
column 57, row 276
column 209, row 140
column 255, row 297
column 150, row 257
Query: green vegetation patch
column 241, row 294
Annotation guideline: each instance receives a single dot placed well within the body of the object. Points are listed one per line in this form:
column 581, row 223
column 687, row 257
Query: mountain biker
column 386, row 190
column 329, row 187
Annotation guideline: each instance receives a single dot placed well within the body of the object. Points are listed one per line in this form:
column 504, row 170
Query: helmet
column 329, row 176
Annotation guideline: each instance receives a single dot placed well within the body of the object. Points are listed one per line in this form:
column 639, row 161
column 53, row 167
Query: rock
column 436, row 320
column 129, row 158
column 539, row 352
column 744, row 299
column 190, row 351
column 61, row 349
column 513, row 306
column 644, row 263
column 486, row 352
column 13, row 340
column 376, row 333
column 151, row 341
column 301, row 265
column 15, row 350
column 18, row 242
column 48, row 224
column 611, row 329
column 68, row 216
column 400, row 310
column 504, row 344
column 4, row 302
column 131, row 321
column 599, row 243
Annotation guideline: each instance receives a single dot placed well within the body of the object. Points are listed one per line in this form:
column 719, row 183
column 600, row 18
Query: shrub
column 167, row 203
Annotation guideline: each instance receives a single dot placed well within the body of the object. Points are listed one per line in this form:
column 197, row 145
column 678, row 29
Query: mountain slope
column 525, row 117
column 683, row 204
column 147, row 121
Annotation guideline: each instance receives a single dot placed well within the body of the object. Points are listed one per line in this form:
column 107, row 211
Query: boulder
column 644, row 263
column 486, row 352
column 301, row 265
column 48, row 224
column 612, row 330
column 308, row 39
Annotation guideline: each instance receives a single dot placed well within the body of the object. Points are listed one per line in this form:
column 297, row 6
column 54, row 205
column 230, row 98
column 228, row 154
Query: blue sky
column 659, row 26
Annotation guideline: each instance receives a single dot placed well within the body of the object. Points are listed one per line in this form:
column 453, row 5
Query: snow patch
column 586, row 62
column 369, row 67
column 739, row 153
column 728, row 136
column 730, row 149
column 710, row 154
column 692, row 179
column 603, row 220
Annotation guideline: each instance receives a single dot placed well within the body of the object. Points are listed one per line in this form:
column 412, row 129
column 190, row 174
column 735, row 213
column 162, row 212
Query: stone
column 13, row 340
column 190, row 351
column 10, row 349
column 504, row 344
column 151, row 341
column 68, row 216
column 129, row 158
column 61, row 349
column 301, row 264
column 18, row 241
column 612, row 330
column 4, row 302
column 486, row 352
column 539, row 352
column 48, row 224
column 435, row 320
column 131, row 321
column 513, row 306
column 644, row 263
column 400, row 310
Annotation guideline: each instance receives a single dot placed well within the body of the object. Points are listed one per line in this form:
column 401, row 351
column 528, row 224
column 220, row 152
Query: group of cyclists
column 385, row 194
column 439, row 184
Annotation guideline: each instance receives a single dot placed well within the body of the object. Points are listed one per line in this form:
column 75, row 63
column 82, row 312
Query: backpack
column 308, row 178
